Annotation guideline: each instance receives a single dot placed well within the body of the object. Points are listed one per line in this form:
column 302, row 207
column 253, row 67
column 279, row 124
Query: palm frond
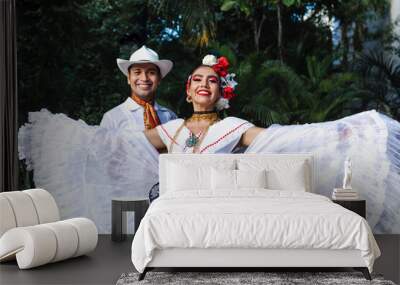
column 263, row 115
column 381, row 75
column 196, row 17
column 378, row 63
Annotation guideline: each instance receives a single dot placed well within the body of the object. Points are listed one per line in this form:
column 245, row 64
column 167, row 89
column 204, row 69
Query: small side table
column 357, row 206
column 118, row 215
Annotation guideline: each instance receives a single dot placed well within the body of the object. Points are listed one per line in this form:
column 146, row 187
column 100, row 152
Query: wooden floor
column 102, row 266
column 111, row 259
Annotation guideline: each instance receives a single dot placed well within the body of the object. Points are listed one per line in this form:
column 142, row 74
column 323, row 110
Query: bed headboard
column 214, row 159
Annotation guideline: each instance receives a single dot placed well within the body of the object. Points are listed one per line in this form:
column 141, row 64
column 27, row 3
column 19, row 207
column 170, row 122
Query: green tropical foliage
column 381, row 79
column 280, row 95
column 296, row 61
column 284, row 53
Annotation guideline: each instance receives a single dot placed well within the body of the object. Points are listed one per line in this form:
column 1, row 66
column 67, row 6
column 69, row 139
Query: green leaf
column 244, row 7
column 288, row 3
column 228, row 5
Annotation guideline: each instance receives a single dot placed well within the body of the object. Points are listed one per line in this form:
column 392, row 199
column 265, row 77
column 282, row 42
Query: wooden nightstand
column 118, row 215
column 357, row 206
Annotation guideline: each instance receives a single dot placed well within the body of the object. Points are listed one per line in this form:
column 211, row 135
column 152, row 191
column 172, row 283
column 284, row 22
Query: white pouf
column 31, row 232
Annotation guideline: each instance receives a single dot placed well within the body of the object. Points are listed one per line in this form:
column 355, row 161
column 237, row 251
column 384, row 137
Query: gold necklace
column 210, row 117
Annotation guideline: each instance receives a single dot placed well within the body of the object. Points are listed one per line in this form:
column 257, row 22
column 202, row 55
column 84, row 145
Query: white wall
column 395, row 13
column 394, row 9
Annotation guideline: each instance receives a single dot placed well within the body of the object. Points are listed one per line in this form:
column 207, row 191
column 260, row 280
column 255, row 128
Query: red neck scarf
column 150, row 116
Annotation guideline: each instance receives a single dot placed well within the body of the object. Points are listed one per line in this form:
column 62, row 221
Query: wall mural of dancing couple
column 98, row 109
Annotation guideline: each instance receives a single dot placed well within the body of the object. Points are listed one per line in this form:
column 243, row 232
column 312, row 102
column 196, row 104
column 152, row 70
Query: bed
column 248, row 210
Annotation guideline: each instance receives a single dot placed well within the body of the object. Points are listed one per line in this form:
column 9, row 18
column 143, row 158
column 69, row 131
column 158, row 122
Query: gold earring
column 188, row 99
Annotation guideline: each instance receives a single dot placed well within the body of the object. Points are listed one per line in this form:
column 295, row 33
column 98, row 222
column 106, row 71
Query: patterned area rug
column 243, row 278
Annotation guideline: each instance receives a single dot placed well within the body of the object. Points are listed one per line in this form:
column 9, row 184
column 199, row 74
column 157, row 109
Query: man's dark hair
column 158, row 69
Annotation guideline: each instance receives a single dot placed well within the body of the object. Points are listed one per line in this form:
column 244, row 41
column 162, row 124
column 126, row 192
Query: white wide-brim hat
column 145, row 55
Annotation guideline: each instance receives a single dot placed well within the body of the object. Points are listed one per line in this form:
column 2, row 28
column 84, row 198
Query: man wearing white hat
column 144, row 71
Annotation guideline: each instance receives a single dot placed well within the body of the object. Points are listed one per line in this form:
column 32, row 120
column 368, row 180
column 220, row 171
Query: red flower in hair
column 221, row 67
column 228, row 93
column 223, row 61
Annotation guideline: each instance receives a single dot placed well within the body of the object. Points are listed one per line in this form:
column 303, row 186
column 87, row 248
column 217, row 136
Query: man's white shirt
column 130, row 112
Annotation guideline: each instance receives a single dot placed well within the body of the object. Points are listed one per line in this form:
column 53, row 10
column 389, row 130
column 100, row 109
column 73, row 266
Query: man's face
column 144, row 79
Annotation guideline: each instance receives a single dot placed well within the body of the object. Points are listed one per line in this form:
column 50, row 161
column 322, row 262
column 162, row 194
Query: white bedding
column 252, row 218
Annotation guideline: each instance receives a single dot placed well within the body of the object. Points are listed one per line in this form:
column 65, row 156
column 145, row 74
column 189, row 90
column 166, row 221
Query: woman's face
column 204, row 88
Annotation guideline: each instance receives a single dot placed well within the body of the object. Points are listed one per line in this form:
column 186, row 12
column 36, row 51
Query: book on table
column 344, row 194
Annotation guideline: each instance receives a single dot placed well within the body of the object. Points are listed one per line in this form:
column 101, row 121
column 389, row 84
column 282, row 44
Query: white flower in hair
column 209, row 60
column 222, row 104
column 230, row 80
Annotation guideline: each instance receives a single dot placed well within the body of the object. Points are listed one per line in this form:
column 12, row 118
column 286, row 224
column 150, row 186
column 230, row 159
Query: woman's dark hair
column 202, row 65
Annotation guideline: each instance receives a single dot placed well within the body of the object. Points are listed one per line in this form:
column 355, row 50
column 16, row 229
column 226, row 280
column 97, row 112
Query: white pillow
column 223, row 179
column 182, row 177
column 236, row 179
column 282, row 174
column 193, row 175
column 291, row 179
column 251, row 178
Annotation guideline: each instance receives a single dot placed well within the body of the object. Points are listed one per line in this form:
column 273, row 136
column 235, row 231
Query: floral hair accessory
column 228, row 82
column 209, row 60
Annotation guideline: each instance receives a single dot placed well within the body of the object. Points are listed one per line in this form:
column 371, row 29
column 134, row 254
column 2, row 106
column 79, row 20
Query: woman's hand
column 250, row 135
column 154, row 138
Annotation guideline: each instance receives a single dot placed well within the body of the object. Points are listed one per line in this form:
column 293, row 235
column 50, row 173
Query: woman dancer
column 85, row 166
